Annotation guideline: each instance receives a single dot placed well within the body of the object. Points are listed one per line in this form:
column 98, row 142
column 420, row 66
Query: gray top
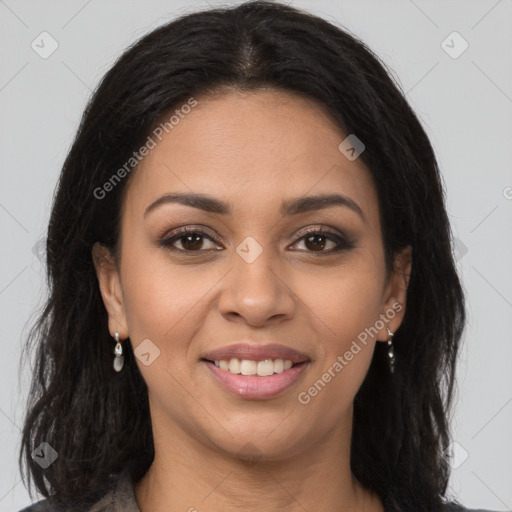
column 121, row 498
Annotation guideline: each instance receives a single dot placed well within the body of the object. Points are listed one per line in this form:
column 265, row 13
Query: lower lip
column 253, row 387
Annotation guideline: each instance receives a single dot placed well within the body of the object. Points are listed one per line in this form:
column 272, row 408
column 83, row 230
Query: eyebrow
column 288, row 207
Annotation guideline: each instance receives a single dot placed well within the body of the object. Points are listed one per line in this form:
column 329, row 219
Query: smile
column 255, row 380
column 249, row 367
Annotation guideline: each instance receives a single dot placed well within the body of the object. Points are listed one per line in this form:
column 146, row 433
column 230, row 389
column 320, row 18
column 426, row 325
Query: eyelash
column 342, row 242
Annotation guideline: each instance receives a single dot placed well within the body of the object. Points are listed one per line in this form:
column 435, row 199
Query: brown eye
column 315, row 242
column 191, row 240
column 318, row 240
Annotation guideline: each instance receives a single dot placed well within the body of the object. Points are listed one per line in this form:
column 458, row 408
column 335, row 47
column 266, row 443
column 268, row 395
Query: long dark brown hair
column 98, row 421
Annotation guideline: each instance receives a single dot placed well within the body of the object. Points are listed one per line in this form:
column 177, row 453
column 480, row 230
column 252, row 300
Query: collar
column 121, row 498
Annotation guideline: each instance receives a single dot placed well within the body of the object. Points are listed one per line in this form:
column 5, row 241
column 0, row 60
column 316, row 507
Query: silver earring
column 118, row 351
column 390, row 351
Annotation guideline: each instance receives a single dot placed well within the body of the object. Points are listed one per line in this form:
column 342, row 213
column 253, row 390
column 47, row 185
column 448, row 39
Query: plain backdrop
column 463, row 98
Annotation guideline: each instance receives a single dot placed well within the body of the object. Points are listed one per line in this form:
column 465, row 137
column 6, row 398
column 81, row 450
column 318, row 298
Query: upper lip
column 255, row 352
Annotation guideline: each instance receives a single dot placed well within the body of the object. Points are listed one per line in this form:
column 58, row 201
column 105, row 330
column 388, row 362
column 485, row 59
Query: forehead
column 252, row 149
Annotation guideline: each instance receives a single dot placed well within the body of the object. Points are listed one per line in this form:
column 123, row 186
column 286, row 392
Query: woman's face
column 253, row 276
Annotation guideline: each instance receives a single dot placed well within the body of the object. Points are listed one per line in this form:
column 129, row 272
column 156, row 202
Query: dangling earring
column 118, row 351
column 390, row 351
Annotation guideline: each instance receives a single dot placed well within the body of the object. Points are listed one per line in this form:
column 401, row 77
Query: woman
column 253, row 301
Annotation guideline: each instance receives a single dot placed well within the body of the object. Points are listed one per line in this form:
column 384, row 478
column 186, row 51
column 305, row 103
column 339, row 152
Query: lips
column 254, row 387
column 256, row 352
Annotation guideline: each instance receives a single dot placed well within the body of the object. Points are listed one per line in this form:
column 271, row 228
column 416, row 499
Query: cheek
column 159, row 301
column 344, row 301
column 343, row 308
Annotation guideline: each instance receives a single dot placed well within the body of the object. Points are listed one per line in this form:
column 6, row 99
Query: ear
column 110, row 288
column 394, row 304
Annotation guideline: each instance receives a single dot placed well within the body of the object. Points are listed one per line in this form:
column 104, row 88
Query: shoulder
column 119, row 498
column 457, row 507
column 47, row 505
column 450, row 506
column 40, row 506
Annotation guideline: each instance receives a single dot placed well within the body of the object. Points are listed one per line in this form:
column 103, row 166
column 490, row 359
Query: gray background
column 465, row 105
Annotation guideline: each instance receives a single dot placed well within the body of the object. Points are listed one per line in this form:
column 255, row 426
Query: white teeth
column 278, row 365
column 261, row 368
column 234, row 366
column 265, row 368
column 248, row 367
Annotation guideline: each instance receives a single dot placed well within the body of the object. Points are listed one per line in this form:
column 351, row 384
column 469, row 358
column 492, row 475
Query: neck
column 190, row 474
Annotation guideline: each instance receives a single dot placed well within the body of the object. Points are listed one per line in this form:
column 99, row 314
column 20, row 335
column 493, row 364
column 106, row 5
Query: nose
column 256, row 292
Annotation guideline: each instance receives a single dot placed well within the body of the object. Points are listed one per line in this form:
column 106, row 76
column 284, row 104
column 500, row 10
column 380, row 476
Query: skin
column 251, row 150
